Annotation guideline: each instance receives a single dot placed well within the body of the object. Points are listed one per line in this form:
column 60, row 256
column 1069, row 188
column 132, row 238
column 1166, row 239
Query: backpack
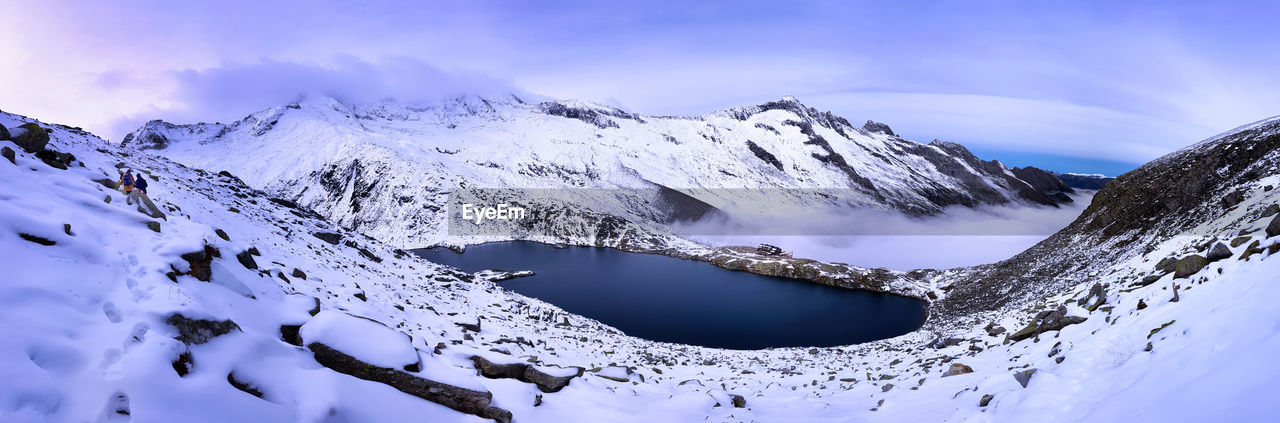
column 128, row 179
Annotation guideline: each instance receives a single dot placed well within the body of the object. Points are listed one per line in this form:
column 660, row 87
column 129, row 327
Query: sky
column 1085, row 86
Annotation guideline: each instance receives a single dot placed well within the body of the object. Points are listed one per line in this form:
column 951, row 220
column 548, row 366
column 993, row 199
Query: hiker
column 126, row 182
column 139, row 189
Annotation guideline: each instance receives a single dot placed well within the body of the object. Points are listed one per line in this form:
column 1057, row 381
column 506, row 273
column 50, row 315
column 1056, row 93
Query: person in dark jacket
column 140, row 185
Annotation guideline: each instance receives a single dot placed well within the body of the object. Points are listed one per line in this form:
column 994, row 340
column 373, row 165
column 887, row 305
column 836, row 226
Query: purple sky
column 1076, row 82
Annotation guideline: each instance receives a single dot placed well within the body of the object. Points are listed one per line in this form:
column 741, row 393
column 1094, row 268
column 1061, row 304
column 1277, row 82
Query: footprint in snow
column 113, row 313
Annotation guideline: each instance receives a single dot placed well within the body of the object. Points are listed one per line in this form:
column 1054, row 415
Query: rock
column 1231, row 199
column 8, row 153
column 66, row 228
column 1046, row 321
column 457, row 398
column 1271, row 210
column 524, row 372
column 986, row 399
column 1166, row 264
column 55, row 159
column 877, row 127
column 1218, row 252
column 886, row 387
column 957, row 369
column 1024, row 333
column 222, row 234
column 994, row 329
column 1273, row 228
column 1148, row 280
column 246, row 260
column 242, row 385
column 107, row 199
column 183, row 364
column 33, row 139
column 298, row 273
column 1253, row 248
column 738, row 401
column 4, row 133
column 198, row 331
column 37, row 239
column 1096, row 297
column 474, row 328
column 289, row 333
column 254, row 251
column 940, row 342
column 1238, row 241
column 1024, row 376
column 107, row 182
column 1142, row 304
column 1058, row 319
column 1189, row 265
column 200, row 262
column 329, row 237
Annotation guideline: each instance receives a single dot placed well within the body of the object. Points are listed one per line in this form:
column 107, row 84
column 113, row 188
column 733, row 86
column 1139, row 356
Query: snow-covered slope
column 386, row 169
column 110, row 314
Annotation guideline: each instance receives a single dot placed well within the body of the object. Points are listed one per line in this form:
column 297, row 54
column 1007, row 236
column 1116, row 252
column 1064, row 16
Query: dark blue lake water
column 683, row 301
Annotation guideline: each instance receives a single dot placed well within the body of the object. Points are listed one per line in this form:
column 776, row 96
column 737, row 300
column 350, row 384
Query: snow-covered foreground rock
column 238, row 307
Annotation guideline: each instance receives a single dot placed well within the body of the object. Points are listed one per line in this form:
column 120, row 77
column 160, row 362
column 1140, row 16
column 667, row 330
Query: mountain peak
column 877, row 127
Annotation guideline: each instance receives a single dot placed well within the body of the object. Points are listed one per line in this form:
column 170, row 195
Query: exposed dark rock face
column 37, row 239
column 1273, row 228
column 200, row 262
column 1218, row 252
column 55, row 159
column 523, row 372
column 460, row 399
column 1024, row 377
column 9, row 154
column 1146, row 206
column 329, row 237
column 33, row 140
column 1046, row 321
column 592, row 116
column 246, row 259
column 1189, row 265
column 4, row 133
column 242, row 385
column 1096, row 297
column 198, row 331
column 1078, row 181
column 957, row 369
column 764, row 155
column 877, row 127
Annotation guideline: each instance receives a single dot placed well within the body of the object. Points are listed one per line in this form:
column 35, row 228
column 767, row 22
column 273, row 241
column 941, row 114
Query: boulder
column 1166, row 264
column 1218, row 252
column 246, row 259
column 941, row 342
column 1058, row 319
column 200, row 262
column 1231, row 199
column 9, row 154
column 1097, row 296
column 1024, row 377
column 994, row 329
column 957, row 369
column 329, row 237
column 37, row 239
column 457, row 398
column 1271, row 210
column 298, row 273
column 1238, row 241
column 365, row 339
column 1189, row 265
column 153, row 226
column 525, row 372
column 738, row 401
column 4, row 133
column 107, row 182
column 32, row 139
column 198, row 331
column 1273, row 228
column 986, row 399
column 222, row 234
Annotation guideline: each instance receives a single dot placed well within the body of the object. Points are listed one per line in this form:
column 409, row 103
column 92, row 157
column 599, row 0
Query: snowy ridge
column 386, row 169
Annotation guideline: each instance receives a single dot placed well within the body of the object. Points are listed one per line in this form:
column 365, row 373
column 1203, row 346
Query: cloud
column 958, row 237
column 232, row 91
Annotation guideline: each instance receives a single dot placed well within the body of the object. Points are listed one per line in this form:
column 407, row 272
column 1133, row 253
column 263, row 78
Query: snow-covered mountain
column 1157, row 304
column 386, row 169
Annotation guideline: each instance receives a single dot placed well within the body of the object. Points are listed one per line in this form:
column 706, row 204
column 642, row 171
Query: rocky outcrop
column 1219, row 251
column 198, row 331
column 1046, row 321
column 524, row 372
column 457, row 398
column 877, row 128
column 1189, row 265
column 200, row 262
column 957, row 369
column 32, row 138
